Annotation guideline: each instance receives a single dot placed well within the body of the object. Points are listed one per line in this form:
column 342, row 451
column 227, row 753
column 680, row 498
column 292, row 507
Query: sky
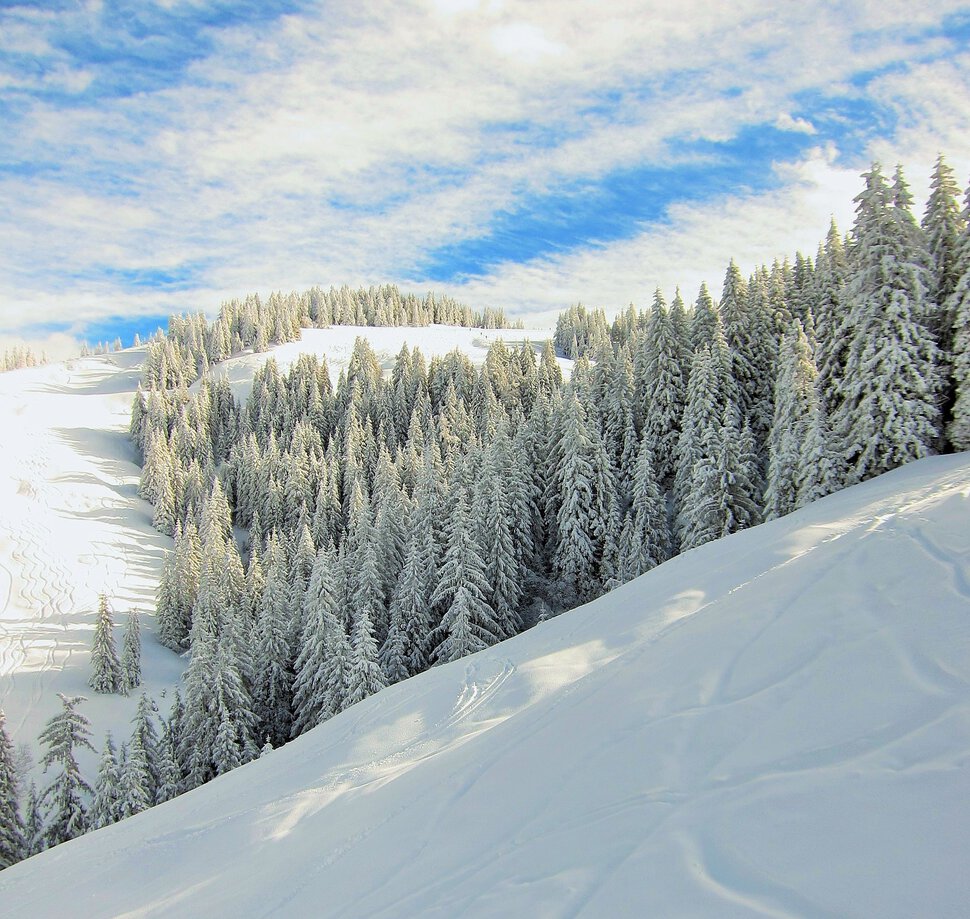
column 164, row 157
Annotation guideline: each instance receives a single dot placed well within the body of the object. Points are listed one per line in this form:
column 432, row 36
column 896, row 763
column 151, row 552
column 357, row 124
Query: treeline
column 193, row 344
column 20, row 356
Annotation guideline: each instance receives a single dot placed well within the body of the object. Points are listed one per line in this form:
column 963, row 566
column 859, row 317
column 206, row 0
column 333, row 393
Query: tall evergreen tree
column 322, row 631
column 130, row 668
column 888, row 413
column 105, row 666
column 106, row 808
column 468, row 623
column 64, row 796
column 13, row 845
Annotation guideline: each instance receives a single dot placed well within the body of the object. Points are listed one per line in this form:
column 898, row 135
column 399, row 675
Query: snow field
column 777, row 723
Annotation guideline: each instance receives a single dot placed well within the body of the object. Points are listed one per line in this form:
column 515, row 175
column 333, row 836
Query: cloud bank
column 164, row 157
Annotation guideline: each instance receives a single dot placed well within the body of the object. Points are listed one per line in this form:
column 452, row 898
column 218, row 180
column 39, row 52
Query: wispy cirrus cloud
column 166, row 156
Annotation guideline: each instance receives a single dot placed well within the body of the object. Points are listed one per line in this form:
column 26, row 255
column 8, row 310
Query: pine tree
column 169, row 774
column 364, row 675
column 888, row 414
column 311, row 691
column 943, row 225
column 584, row 493
column 273, row 677
column 958, row 306
column 665, row 387
column 468, row 623
column 701, row 435
column 13, row 845
column 130, row 669
column 134, row 794
column 105, row 667
column 64, row 796
column 645, row 540
column 106, row 808
column 795, row 403
column 33, row 822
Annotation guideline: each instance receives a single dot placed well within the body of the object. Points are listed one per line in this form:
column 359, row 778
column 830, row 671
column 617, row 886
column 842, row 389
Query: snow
column 71, row 527
column 337, row 345
column 777, row 723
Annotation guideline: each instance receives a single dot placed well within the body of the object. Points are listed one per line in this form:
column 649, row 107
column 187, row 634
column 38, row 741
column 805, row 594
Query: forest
column 332, row 539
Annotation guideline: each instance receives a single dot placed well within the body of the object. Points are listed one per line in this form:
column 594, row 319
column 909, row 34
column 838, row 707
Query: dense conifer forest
column 330, row 540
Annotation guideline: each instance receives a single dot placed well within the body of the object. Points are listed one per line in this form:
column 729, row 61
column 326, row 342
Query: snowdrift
column 776, row 724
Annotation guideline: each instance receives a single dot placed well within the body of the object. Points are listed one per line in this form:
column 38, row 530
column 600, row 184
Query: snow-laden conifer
column 13, row 845
column 105, row 666
column 130, row 665
column 64, row 797
column 468, row 623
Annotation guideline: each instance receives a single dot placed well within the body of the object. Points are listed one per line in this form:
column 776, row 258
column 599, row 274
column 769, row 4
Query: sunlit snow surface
column 775, row 724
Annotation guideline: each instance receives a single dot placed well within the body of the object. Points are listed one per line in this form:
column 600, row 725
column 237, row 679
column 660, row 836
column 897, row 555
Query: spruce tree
column 888, row 413
column 645, row 540
column 134, row 792
column 64, row 796
column 105, row 666
column 795, row 404
column 665, row 388
column 364, row 674
column 321, row 625
column 468, row 623
column 130, row 669
column 13, row 845
column 106, row 808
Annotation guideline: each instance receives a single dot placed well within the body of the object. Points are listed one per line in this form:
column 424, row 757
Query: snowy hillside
column 72, row 525
column 777, row 723
column 337, row 345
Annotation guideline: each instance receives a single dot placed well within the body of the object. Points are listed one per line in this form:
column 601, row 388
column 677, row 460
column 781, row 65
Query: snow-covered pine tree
column 645, row 540
column 64, row 796
column 795, row 403
column 411, row 605
column 322, row 631
column 106, row 807
column 134, row 793
column 664, row 387
column 888, row 414
column 492, row 518
column 273, row 676
column 13, row 845
column 169, row 773
column 958, row 306
column 130, row 669
column 364, row 674
column 943, row 224
column 105, row 666
column 701, row 434
column 584, row 503
column 703, row 319
column 33, row 822
column 468, row 623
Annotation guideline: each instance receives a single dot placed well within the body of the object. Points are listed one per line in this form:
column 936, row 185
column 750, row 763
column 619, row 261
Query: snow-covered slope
column 337, row 345
column 775, row 724
column 71, row 527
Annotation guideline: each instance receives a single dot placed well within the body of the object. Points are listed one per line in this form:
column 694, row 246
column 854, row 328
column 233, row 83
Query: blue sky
column 161, row 157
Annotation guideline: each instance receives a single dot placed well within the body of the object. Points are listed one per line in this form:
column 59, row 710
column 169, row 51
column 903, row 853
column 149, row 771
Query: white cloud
column 785, row 122
column 344, row 146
